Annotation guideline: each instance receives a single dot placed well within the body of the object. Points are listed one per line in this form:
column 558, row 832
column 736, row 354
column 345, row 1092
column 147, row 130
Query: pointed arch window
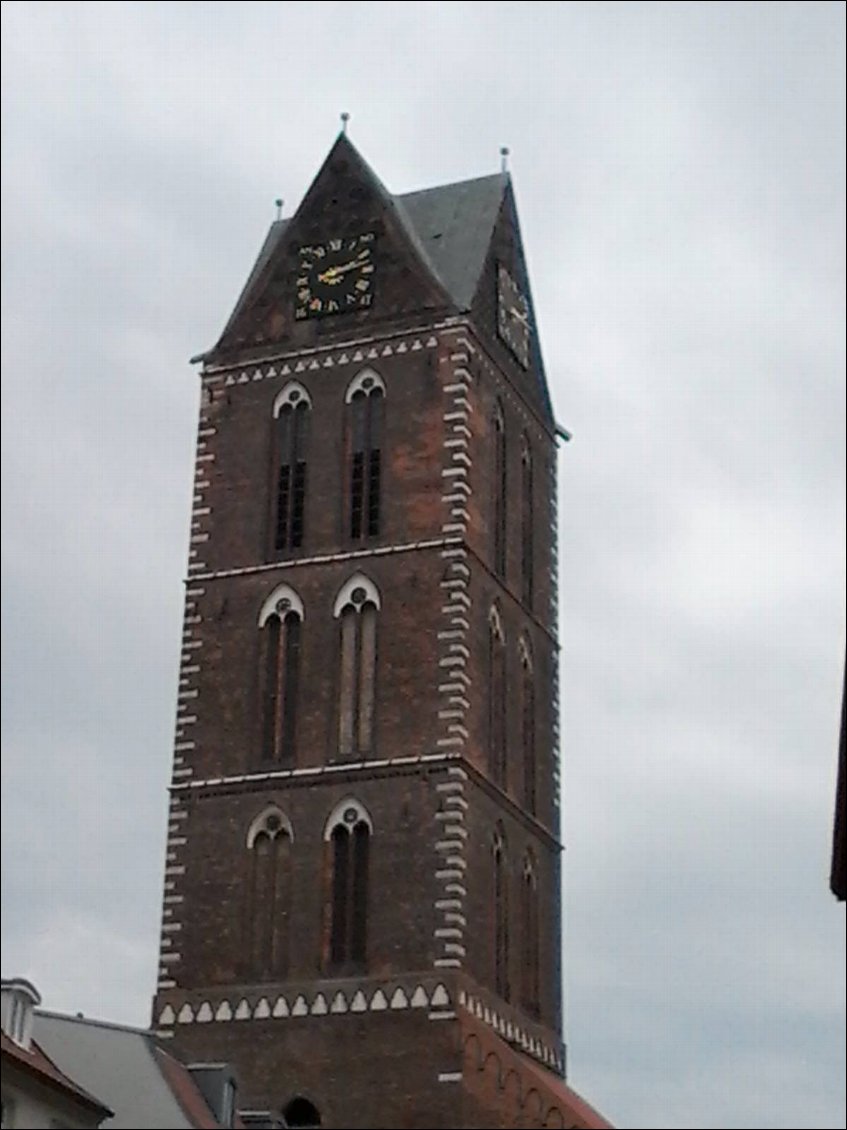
column 499, row 486
column 269, row 840
column 347, row 835
column 291, row 410
column 528, row 739
column 281, row 631
column 496, row 697
column 501, row 913
column 365, row 400
column 356, row 609
column 530, row 957
column 527, row 524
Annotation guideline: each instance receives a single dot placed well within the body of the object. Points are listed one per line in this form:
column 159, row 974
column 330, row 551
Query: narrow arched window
column 347, row 834
column 527, row 525
column 496, row 698
column 528, row 742
column 530, row 957
column 291, row 436
column 501, row 914
column 268, row 894
column 366, row 420
column 281, row 625
column 499, row 486
column 356, row 609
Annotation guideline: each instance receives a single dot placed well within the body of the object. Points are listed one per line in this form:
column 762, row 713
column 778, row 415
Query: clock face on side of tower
column 335, row 276
column 513, row 317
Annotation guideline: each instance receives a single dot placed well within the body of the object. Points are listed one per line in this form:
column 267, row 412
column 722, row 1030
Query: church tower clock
column 361, row 906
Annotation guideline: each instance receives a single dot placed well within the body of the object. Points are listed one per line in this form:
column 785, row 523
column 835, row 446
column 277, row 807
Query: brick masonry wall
column 396, row 1067
column 432, row 815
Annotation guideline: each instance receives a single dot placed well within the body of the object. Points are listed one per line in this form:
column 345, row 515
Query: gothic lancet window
column 291, row 436
column 281, row 631
column 530, row 956
column 356, row 609
column 501, row 913
column 528, row 746
column 365, row 426
column 268, row 892
column 347, row 835
column 527, row 524
column 499, row 485
column 496, row 698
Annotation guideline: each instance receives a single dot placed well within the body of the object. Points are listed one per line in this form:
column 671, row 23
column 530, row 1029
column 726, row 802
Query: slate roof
column 453, row 224
column 142, row 1084
column 450, row 227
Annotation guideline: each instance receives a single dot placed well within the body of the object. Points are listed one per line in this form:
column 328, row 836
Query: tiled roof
column 185, row 1091
column 143, row 1085
column 36, row 1061
column 538, row 1088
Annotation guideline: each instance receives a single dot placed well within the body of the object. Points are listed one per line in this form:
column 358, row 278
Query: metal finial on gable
column 504, row 158
column 279, row 203
column 345, row 118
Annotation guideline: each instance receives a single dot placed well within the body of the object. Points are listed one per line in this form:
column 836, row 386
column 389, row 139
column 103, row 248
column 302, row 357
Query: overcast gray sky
column 680, row 178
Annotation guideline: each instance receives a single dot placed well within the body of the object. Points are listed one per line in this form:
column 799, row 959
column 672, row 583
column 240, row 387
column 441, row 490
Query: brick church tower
column 361, row 904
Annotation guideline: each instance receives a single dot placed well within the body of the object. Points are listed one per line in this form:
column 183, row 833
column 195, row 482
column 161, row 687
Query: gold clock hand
column 342, row 268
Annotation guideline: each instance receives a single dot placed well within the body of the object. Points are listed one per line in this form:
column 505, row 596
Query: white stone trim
column 283, row 397
column 258, row 825
column 357, row 383
column 358, row 580
column 348, row 813
column 271, row 605
column 365, row 767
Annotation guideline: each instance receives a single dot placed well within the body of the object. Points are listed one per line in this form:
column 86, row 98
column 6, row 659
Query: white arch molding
column 366, row 381
column 345, row 594
column 293, row 393
column 271, row 821
column 348, row 813
column 496, row 622
column 280, row 602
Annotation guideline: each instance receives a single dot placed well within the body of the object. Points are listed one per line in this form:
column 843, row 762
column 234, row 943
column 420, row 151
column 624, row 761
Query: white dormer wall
column 18, row 998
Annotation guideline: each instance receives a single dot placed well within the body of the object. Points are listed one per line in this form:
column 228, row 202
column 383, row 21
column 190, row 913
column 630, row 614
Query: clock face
column 513, row 317
column 335, row 276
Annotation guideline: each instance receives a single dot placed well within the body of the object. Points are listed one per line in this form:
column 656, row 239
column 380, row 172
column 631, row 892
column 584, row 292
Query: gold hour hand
column 333, row 274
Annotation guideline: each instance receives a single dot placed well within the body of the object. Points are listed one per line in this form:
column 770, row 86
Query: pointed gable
column 345, row 200
column 437, row 252
column 505, row 249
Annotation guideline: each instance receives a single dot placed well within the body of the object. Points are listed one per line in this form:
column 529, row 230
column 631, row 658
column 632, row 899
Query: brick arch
column 472, row 1051
column 493, row 1066
column 532, row 1106
column 554, row 1119
column 511, row 1086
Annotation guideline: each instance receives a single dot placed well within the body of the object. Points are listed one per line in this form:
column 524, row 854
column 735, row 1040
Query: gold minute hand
column 333, row 274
